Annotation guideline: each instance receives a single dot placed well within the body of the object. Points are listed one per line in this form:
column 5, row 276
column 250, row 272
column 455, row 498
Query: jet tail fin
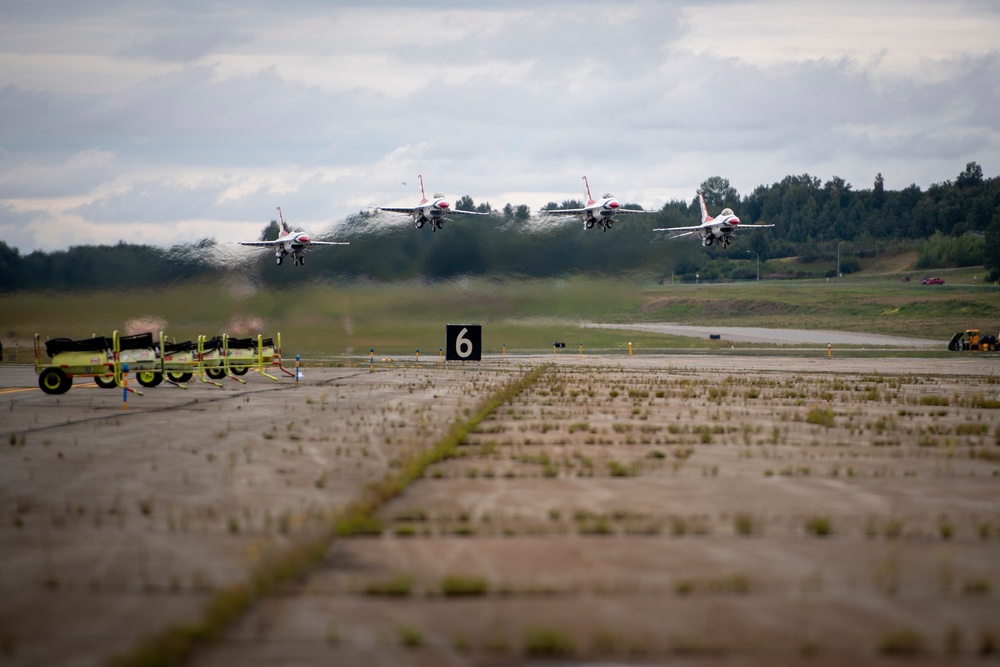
column 590, row 200
column 705, row 217
column 423, row 197
column 281, row 221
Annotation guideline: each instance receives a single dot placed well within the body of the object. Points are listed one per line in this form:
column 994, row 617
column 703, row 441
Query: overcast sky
column 166, row 122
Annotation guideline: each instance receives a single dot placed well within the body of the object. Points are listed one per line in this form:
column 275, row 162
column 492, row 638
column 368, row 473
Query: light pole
column 838, row 258
column 758, row 262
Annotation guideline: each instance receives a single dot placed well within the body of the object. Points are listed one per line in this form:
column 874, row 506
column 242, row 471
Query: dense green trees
column 951, row 224
column 104, row 266
column 991, row 251
column 808, row 213
column 806, row 209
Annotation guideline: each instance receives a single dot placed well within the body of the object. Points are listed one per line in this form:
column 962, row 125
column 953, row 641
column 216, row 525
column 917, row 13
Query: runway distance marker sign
column 464, row 342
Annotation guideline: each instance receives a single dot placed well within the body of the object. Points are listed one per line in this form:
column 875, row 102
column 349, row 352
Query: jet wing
column 630, row 211
column 329, row 243
column 677, row 236
column 258, row 243
column 564, row 211
column 461, row 212
column 679, row 229
column 578, row 211
column 397, row 209
column 742, row 226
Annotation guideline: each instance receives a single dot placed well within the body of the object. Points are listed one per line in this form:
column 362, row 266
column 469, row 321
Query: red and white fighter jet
column 428, row 210
column 290, row 243
column 597, row 211
column 711, row 229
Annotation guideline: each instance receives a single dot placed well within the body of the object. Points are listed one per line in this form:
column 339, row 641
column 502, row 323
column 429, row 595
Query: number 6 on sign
column 463, row 346
column 464, row 342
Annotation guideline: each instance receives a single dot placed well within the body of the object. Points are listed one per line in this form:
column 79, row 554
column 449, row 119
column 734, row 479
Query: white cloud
column 913, row 40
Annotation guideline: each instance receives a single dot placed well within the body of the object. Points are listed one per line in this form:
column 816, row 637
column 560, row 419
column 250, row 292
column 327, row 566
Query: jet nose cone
column 303, row 238
column 734, row 220
column 613, row 204
column 442, row 204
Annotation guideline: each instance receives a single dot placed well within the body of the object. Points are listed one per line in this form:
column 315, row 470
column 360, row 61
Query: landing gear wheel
column 709, row 241
column 179, row 377
column 54, row 381
column 589, row 224
column 215, row 373
column 239, row 370
column 149, row 378
column 419, row 224
column 302, row 261
column 277, row 260
column 105, row 381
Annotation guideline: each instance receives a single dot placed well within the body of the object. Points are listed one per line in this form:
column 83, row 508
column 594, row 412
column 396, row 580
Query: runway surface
column 712, row 508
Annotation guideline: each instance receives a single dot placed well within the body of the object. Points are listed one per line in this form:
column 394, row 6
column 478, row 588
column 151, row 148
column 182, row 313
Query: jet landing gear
column 726, row 240
column 297, row 259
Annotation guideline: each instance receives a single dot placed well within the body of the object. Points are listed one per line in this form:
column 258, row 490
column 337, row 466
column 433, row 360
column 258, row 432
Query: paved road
column 779, row 336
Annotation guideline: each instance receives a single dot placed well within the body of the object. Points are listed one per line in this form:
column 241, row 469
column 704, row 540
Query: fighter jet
column 290, row 243
column 597, row 211
column 712, row 229
column 432, row 211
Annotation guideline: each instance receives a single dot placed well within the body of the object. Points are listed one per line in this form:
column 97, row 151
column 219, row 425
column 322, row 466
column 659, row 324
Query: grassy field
column 524, row 315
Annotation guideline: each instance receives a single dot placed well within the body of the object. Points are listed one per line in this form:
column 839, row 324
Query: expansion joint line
column 177, row 643
column 359, row 517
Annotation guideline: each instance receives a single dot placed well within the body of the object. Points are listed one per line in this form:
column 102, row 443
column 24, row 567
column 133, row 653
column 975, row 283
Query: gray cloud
column 185, row 43
column 43, row 174
column 218, row 113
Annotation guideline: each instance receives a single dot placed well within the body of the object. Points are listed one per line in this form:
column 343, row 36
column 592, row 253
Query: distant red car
column 932, row 281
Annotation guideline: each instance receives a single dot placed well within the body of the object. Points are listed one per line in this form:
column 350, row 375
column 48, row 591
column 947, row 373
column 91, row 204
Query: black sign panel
column 464, row 342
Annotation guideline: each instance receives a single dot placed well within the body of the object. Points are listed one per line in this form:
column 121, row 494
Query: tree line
column 954, row 223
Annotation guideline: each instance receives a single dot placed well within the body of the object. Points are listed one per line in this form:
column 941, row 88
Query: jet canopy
column 608, row 195
column 438, row 195
column 727, row 211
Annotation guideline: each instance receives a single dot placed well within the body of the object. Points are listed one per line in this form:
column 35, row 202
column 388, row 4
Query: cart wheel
column 179, row 377
column 149, row 378
column 215, row 373
column 239, row 370
column 105, row 381
column 54, row 381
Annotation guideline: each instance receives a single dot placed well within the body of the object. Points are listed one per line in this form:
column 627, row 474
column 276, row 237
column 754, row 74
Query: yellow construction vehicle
column 971, row 340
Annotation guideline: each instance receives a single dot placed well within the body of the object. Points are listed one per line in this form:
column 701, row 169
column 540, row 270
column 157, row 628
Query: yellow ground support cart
column 99, row 357
column 105, row 359
column 222, row 356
